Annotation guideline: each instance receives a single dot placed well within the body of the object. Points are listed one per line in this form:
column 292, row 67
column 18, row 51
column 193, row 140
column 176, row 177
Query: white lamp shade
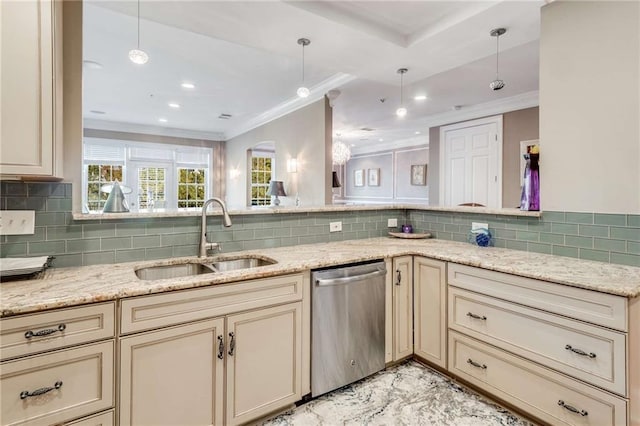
column 138, row 56
column 401, row 112
column 303, row 92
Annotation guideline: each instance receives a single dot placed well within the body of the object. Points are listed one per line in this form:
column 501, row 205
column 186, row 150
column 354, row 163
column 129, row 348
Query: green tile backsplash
column 594, row 236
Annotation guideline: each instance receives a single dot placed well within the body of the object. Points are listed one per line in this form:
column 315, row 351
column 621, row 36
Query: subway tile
column 262, row 244
column 459, row 237
column 609, row 245
column 517, row 225
column 130, row 255
column 527, row 236
column 146, row 241
column 59, row 204
column 38, row 189
column 564, row 228
column 539, row 248
column 282, row 232
column 321, row 229
column 69, row 232
column 232, row 246
column 115, row 243
column 13, row 249
column 553, row 216
column 507, row 234
column 81, row 246
column 14, row 189
column 67, row 260
column 633, row 247
column 158, row 227
column 59, row 190
column 597, row 255
column 573, row 217
column 452, row 228
column 565, row 251
column 444, row 219
column 243, row 235
column 158, row 253
column 187, row 239
column 95, row 230
column 130, row 229
column 551, row 238
column 306, row 221
column 610, row 219
column 593, row 230
column 263, row 233
column 289, row 241
column 371, row 226
column 99, row 258
column 497, row 242
column 363, row 234
column 186, row 250
column 12, row 203
column 625, row 259
column 517, row 245
column 46, row 248
column 538, row 226
column 632, row 234
column 633, row 220
column 38, row 235
column 39, row 204
column 574, row 241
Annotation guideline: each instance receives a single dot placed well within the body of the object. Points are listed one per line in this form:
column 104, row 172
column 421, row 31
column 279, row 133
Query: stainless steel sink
column 162, row 272
column 188, row 268
column 241, row 263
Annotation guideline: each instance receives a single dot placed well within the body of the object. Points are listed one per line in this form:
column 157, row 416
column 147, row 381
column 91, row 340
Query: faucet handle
column 212, row 246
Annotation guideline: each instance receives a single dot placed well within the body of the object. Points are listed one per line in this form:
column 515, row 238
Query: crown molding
column 292, row 104
column 89, row 123
column 417, row 141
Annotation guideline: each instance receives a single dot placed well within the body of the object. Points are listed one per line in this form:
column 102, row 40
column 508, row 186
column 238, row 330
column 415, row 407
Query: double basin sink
column 191, row 267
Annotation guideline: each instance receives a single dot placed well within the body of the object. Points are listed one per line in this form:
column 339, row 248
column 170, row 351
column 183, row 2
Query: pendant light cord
column 497, row 54
column 303, row 64
column 401, row 86
column 138, row 24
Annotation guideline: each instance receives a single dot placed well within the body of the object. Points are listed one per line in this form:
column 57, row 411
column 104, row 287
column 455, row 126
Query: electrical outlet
column 475, row 226
column 335, row 226
column 17, row 222
column 392, row 223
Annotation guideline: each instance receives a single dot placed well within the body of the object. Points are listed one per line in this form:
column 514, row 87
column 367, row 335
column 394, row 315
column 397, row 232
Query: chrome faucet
column 226, row 221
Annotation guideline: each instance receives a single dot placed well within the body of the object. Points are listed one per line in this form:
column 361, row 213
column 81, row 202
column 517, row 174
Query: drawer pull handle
column 399, row 275
column 220, row 347
column 475, row 364
column 41, row 391
column 480, row 317
column 47, row 331
column 572, row 409
column 580, row 351
column 232, row 344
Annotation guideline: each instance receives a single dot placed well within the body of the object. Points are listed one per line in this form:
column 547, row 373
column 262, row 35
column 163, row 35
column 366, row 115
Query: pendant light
column 303, row 92
column 401, row 111
column 497, row 84
column 138, row 56
column 340, row 153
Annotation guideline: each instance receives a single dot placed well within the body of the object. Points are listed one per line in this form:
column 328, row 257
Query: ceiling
column 243, row 58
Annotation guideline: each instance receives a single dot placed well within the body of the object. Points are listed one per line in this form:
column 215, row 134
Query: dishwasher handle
column 346, row 280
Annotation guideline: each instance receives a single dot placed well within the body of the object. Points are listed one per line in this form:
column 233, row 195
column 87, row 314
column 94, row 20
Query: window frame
column 250, row 185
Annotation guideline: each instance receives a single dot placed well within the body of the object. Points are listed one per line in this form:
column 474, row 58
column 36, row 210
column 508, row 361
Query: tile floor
column 407, row 394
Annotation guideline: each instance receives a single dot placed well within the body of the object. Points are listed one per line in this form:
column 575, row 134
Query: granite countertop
column 61, row 287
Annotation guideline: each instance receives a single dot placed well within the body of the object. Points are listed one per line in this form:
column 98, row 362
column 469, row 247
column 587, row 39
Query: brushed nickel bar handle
column 566, row 406
column 220, row 347
column 580, row 351
column 475, row 364
column 480, row 317
column 41, row 391
column 47, row 331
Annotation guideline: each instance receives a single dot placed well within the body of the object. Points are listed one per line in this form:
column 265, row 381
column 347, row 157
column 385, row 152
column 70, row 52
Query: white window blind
column 99, row 153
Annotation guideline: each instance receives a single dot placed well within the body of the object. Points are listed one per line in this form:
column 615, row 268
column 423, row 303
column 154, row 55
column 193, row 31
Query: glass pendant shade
column 340, row 153
column 303, row 92
column 401, row 112
column 138, row 56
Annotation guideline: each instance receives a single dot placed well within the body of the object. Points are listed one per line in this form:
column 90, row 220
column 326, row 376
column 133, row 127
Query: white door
column 471, row 154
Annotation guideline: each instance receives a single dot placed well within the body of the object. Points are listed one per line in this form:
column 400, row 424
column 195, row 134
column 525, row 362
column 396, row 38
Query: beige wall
column 300, row 134
column 517, row 126
column 590, row 106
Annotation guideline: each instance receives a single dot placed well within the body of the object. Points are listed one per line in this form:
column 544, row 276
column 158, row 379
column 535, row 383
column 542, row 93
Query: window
column 261, row 174
column 161, row 176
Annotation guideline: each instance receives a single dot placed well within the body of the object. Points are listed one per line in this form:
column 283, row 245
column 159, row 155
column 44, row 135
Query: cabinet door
column 264, row 355
column 173, row 376
column 430, row 301
column 29, row 81
column 402, row 307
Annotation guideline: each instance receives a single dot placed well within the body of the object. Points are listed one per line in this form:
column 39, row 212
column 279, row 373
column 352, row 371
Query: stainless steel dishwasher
column 347, row 317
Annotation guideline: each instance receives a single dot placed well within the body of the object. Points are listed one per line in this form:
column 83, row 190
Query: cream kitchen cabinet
column 429, row 310
column 31, row 87
column 229, row 369
column 402, row 307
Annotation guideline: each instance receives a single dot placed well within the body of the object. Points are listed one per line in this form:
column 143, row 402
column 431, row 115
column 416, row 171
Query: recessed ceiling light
column 380, row 140
column 92, row 65
column 420, row 97
column 162, row 120
column 95, row 111
column 174, row 105
column 188, row 86
column 418, row 132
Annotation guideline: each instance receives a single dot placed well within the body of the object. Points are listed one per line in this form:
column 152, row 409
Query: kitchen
column 601, row 198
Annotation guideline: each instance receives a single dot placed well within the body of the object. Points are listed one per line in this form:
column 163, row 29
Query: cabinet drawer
column 29, row 334
column 144, row 313
column 102, row 419
column 586, row 305
column 536, row 390
column 548, row 339
column 81, row 380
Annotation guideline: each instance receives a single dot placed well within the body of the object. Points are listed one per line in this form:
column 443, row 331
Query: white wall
column 590, row 106
column 301, row 134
